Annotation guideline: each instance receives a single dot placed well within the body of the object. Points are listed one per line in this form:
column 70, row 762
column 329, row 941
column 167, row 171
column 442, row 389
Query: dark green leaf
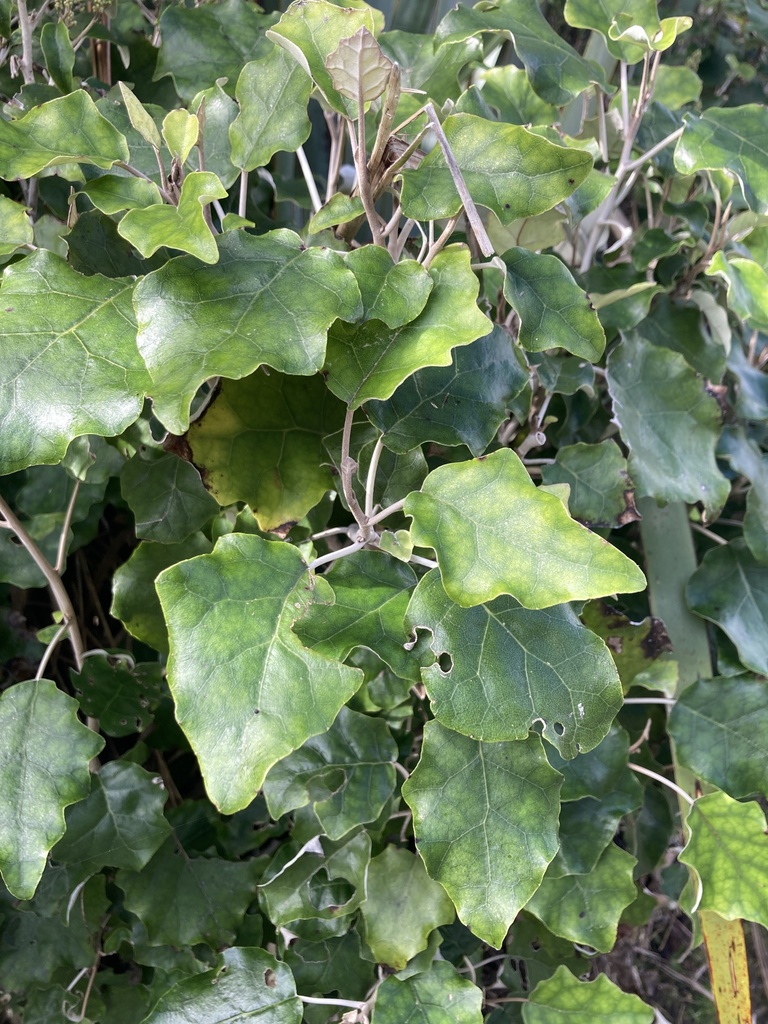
column 598, row 773
column 438, row 996
column 642, row 650
column 678, row 328
column 166, row 495
column 587, row 826
column 395, row 293
column 602, row 494
column 122, row 696
column 58, row 53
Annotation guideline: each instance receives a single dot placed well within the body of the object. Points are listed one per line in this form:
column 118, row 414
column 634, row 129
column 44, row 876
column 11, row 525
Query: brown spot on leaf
column 657, row 641
column 178, row 446
column 284, row 529
column 270, row 978
column 720, row 394
column 615, row 643
column 629, row 514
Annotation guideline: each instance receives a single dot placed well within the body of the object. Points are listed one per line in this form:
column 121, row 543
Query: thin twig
column 61, row 554
column 332, row 556
column 388, row 111
column 436, row 246
column 140, row 174
column 665, row 782
column 385, row 512
column 361, row 165
column 370, row 482
column 50, row 649
column 306, row 170
column 347, row 469
column 242, row 202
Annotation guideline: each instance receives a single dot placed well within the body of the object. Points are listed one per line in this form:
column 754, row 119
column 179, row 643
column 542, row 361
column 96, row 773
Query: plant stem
column 361, row 165
column 57, row 588
column 370, row 483
column 63, row 628
column 332, row 556
column 348, row 467
column 242, row 202
column 27, row 24
column 436, row 246
column 660, row 778
column 388, row 111
column 306, row 170
column 61, row 554
column 385, row 512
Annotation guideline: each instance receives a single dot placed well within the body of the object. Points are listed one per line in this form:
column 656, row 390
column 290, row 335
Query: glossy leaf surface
column 166, row 495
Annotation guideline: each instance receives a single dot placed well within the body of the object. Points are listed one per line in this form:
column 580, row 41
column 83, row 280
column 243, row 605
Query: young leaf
column 268, row 300
column 347, row 774
column 746, row 283
column 370, row 360
column 249, row 985
column 140, row 118
column 630, row 28
column 371, row 592
column 563, row 999
column 113, row 193
column 501, row 668
column 728, row 849
column 119, row 824
column 506, row 168
column 246, row 691
column 177, row 227
column 71, row 366
column 358, row 68
column 15, row 227
column 554, row 312
column 485, row 821
column 44, row 760
column 181, row 131
column 273, row 94
column 438, row 996
column 261, row 441
column 62, row 131
column 495, row 533
column 58, row 53
column 720, row 729
column 670, row 424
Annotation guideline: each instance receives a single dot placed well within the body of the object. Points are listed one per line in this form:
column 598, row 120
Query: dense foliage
column 383, row 407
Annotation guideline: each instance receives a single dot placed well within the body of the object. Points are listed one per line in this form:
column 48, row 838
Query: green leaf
column 140, row 118
column 340, row 209
column 347, row 774
column 485, row 821
column 358, row 68
column 563, row 998
column 273, row 94
column 166, row 495
column 216, row 112
column 135, row 601
column 64, row 131
column 177, row 227
column 203, row 899
column 727, row 849
column 678, row 328
column 554, row 312
column 587, row 908
column 44, row 758
column 268, row 300
column 464, row 403
column 203, row 44
column 599, row 772
column 112, row 193
column 181, row 130
column 229, row 618
column 509, row 90
column 642, row 650
column 670, row 424
column 747, row 458
column 250, row 985
column 393, row 292
column 369, row 360
column 587, row 826
column 430, row 65
column 733, row 139
column 331, row 964
column 602, row 494
column 311, row 32
column 438, row 996
column 501, row 667
column 506, row 168
column 370, row 597
column 323, row 881
column 119, row 824
column 746, row 284
column 556, row 71
column 720, row 729
column 122, row 696
column 71, row 366
column 15, row 227
column 495, row 533
column 631, row 28
column 58, row 53
column 261, row 441
column 730, row 588
column 402, row 908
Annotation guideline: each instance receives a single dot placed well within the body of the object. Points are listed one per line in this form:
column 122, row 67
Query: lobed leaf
column 563, row 998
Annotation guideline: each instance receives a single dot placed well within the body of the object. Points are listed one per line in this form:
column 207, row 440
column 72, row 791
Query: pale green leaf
column 631, row 28
column 177, row 227
column 15, row 226
column 485, row 822
column 269, row 299
column 247, row 692
column 395, row 293
column 250, row 985
column 437, row 996
column 402, row 908
column 347, row 774
column 720, row 729
column 261, row 441
column 464, row 403
column 311, row 31
column 273, row 94
column 70, row 364
column 119, row 824
column 669, row 423
column 563, row 999
column 358, row 68
column 370, row 596
column 747, row 287
column 135, row 602
column 340, row 209
column 587, row 908
column 602, row 495
column 180, row 132
column 509, row 90
column 59, row 54
column 730, row 588
column 370, row 360
column 64, row 131
column 112, row 193
column 501, row 667
column 732, row 139
column 728, row 849
column 506, row 168
column 140, row 117
column 44, row 755
column 554, row 312
column 495, row 533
